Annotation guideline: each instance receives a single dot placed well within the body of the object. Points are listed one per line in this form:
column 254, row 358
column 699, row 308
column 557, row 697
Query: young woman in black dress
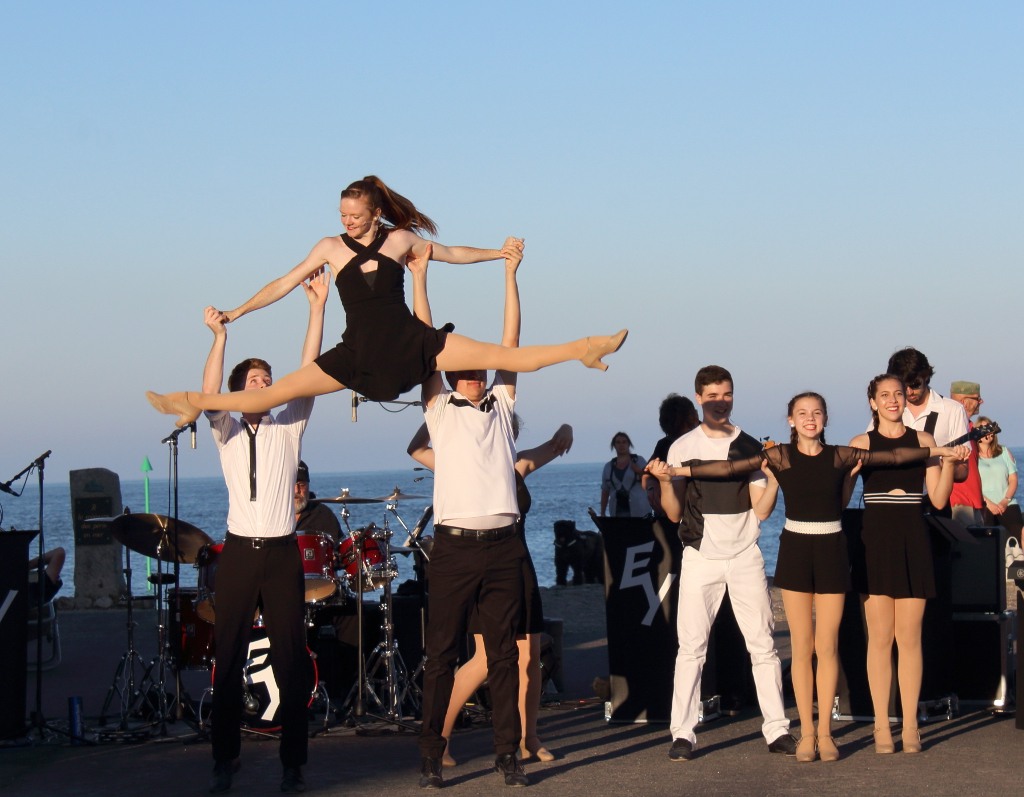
column 384, row 351
column 812, row 570
column 894, row 574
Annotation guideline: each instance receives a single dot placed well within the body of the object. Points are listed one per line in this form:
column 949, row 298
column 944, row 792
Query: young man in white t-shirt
column 719, row 529
column 477, row 558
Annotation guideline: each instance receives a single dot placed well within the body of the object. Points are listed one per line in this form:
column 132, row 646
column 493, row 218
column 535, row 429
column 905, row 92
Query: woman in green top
column 998, row 471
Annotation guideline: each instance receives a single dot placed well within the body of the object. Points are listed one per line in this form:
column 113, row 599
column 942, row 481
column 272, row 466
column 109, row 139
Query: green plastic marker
column 146, row 468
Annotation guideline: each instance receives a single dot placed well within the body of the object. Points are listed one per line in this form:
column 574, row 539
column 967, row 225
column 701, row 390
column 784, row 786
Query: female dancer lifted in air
column 385, row 350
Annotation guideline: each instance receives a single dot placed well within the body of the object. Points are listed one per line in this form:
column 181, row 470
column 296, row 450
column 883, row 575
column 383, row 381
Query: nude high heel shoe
column 592, row 359
column 884, row 747
column 912, row 740
column 174, row 404
column 807, row 749
column 827, row 749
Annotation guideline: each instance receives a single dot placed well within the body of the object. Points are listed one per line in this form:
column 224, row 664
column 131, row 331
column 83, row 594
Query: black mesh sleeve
column 727, row 468
column 847, row 458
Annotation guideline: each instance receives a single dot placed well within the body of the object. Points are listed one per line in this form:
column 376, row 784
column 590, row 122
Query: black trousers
column 271, row 576
column 464, row 573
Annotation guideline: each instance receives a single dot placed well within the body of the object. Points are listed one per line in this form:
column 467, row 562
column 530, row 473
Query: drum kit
column 336, row 574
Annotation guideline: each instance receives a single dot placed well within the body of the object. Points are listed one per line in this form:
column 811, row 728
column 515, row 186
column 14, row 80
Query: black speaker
column 978, row 571
column 981, row 648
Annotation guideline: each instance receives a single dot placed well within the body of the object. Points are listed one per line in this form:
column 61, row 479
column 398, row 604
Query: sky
column 790, row 190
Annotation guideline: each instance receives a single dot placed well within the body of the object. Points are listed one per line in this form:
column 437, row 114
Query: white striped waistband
column 813, row 527
column 890, row 498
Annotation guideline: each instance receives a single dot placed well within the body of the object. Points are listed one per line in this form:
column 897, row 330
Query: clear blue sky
column 792, row 190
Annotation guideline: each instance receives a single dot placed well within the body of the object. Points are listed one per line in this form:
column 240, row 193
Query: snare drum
column 317, row 552
column 194, row 649
column 376, row 571
column 206, row 564
column 262, row 712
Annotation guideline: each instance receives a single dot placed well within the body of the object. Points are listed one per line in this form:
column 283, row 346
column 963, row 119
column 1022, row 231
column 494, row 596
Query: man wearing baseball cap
column 966, row 499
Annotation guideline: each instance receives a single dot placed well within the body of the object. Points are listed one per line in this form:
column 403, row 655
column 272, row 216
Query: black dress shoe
column 222, row 772
column 292, row 782
column 681, row 750
column 430, row 774
column 731, row 706
column 785, row 744
column 508, row 766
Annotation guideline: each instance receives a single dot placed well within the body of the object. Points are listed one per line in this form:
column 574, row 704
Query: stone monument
column 99, row 558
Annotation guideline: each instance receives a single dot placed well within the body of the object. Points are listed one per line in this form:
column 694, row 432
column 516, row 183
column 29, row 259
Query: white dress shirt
column 278, row 448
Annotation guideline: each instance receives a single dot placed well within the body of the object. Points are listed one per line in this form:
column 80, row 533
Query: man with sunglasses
column 927, row 411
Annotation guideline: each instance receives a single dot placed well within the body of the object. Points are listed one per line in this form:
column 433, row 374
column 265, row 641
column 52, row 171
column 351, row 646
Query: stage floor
column 974, row 754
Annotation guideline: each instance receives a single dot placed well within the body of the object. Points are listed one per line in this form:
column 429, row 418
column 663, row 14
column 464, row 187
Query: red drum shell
column 317, row 552
column 194, row 649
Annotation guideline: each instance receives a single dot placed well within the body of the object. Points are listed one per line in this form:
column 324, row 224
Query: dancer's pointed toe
column 174, row 404
column 594, row 355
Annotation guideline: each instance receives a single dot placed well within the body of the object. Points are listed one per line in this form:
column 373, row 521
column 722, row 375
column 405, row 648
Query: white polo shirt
column 951, row 423
column 474, row 456
column 278, row 442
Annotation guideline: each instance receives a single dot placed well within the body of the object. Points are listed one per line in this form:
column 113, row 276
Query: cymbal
column 345, row 498
column 398, row 495
column 153, row 536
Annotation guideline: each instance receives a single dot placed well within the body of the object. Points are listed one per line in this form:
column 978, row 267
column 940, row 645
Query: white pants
column 702, row 584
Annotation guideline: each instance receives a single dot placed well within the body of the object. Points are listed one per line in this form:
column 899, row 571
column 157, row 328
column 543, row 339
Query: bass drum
column 262, row 699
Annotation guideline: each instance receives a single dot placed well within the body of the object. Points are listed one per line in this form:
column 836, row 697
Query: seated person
column 53, row 562
column 312, row 517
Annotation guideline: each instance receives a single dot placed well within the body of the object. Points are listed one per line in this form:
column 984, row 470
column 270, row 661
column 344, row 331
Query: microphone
column 193, row 427
column 6, row 487
column 355, row 406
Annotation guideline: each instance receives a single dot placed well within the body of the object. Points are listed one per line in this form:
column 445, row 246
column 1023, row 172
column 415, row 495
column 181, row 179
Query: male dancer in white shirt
column 477, row 558
column 260, row 564
column 719, row 530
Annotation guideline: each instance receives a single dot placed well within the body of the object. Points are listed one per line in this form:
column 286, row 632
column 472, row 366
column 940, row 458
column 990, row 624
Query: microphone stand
column 38, row 718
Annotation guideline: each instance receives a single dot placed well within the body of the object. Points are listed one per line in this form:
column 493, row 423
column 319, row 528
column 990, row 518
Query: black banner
column 641, row 565
column 13, row 629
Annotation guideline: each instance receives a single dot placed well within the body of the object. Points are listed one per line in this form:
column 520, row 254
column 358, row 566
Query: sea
column 560, row 492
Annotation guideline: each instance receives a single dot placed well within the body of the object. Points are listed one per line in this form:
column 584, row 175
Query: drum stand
column 123, row 684
column 386, row 653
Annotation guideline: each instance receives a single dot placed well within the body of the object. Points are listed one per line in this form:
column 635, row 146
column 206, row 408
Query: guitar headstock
column 767, row 442
column 979, row 432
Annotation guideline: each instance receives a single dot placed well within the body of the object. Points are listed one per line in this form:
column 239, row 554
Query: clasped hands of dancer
column 662, row 471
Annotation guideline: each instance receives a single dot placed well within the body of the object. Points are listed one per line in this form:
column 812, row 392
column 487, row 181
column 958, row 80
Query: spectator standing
column 998, row 470
column 622, row 481
column 966, row 499
column 676, row 417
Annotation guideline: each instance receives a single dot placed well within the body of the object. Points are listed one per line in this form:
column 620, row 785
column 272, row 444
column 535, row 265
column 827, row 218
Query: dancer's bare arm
column 528, row 461
column 282, row 286
column 419, row 448
column 420, row 303
column 317, row 288
column 672, row 490
column 455, row 254
column 513, row 254
column 939, row 478
column 763, row 499
column 213, row 373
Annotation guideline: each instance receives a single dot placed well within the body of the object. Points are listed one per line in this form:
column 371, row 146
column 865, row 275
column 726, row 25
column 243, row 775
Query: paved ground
column 974, row 754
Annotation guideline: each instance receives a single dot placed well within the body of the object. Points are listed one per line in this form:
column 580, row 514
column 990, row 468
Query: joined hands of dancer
column 385, row 350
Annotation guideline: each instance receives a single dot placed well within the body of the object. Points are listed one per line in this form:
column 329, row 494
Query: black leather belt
column 261, row 542
column 491, row 535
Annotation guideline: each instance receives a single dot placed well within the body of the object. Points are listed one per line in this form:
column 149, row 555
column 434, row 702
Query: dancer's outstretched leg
column 308, row 381
column 465, row 354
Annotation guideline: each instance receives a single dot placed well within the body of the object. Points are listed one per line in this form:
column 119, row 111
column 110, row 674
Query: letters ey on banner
column 642, row 557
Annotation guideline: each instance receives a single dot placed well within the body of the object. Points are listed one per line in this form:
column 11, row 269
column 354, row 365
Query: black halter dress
column 385, row 350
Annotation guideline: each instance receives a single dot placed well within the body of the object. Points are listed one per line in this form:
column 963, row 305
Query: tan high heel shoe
column 807, row 749
column 883, row 747
column 174, row 404
column 827, row 749
column 912, row 743
column 592, row 359
column 538, row 750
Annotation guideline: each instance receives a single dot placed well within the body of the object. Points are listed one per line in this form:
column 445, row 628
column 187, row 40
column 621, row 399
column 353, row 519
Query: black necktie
column 252, row 459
